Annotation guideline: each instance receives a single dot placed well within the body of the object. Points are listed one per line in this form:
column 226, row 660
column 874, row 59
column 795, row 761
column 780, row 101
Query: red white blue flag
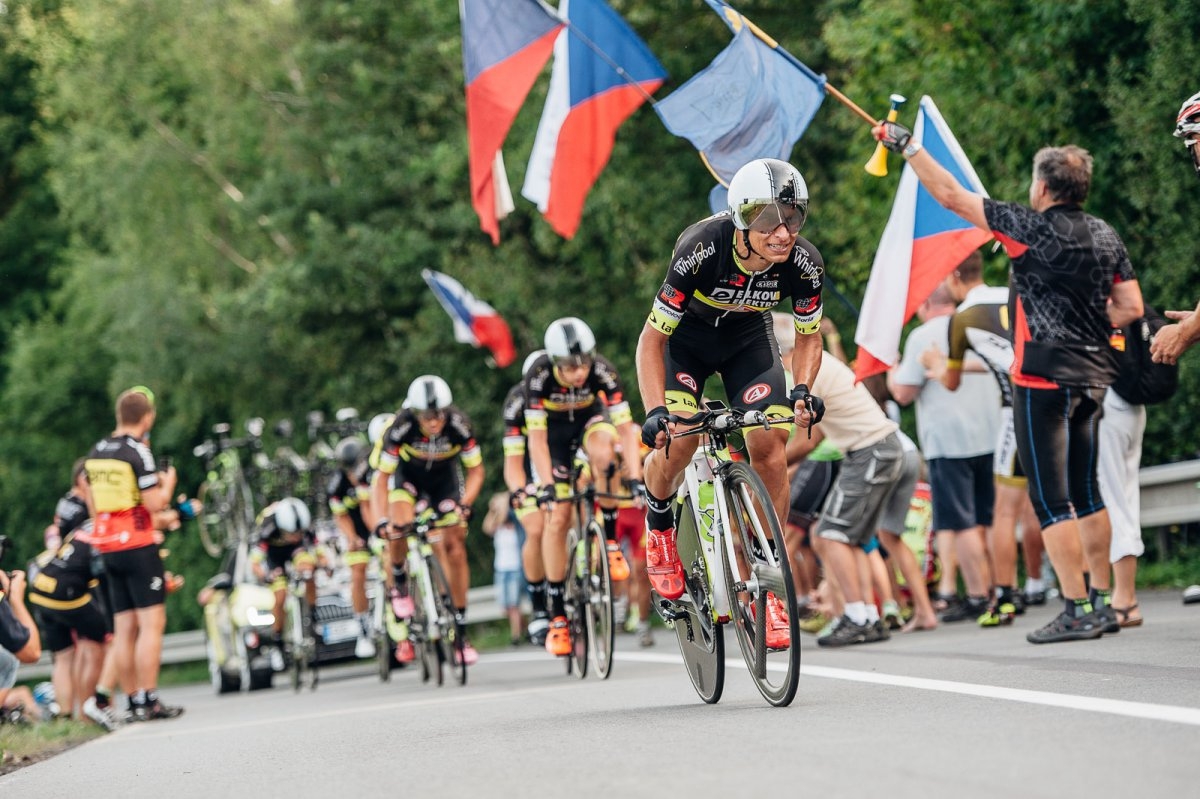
column 475, row 322
column 602, row 73
column 921, row 245
column 506, row 43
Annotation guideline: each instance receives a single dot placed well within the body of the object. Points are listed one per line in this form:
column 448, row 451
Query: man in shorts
column 126, row 491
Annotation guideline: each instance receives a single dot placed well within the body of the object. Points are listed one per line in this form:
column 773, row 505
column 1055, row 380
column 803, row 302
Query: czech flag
column 602, row 73
column 922, row 244
column 505, row 45
column 475, row 322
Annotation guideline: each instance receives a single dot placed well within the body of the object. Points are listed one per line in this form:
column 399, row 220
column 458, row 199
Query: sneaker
column 364, row 647
column 405, row 653
column 154, row 710
column 1018, row 601
column 1066, row 627
column 621, row 611
column 998, row 615
column 814, row 623
column 1106, row 617
column 618, row 567
column 469, row 655
column 539, row 625
column 892, row 616
column 971, row 608
column 645, row 637
column 278, row 663
column 779, row 636
column 1035, row 597
column 558, row 638
column 103, row 716
column 662, row 564
column 844, row 632
column 876, row 631
column 402, row 605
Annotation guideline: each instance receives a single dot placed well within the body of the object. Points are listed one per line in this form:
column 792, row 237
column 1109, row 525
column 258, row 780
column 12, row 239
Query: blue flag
column 753, row 101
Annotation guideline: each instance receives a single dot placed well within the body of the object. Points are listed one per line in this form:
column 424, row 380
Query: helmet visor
column 766, row 216
column 574, row 361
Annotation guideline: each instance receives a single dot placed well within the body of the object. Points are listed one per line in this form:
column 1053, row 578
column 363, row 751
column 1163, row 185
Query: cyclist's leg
column 402, row 497
column 600, row 445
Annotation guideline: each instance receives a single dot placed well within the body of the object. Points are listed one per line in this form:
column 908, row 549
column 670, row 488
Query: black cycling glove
column 656, row 421
column 815, row 405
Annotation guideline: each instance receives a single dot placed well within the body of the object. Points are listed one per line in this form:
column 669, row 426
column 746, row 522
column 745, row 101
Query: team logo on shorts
column 755, row 392
column 156, row 584
column 687, row 380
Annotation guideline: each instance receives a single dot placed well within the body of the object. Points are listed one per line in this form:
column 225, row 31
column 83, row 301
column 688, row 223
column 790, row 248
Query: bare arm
column 14, row 590
column 806, row 358
column 1126, row 303
column 800, row 447
column 651, row 367
column 946, row 189
column 1172, row 341
column 514, row 472
column 903, row 393
column 472, row 485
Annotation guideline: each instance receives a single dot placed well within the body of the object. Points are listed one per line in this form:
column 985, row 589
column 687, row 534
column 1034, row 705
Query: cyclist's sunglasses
column 574, row 361
column 764, row 217
column 431, row 416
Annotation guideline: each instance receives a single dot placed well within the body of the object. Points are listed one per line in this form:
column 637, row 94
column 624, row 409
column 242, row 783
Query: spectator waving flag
column 754, row 100
column 602, row 73
column 505, row 45
column 921, row 244
column 475, row 322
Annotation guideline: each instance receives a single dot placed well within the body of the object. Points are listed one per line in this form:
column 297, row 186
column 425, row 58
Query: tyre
column 451, row 643
column 575, row 604
column 261, row 679
column 601, row 627
column 222, row 681
column 211, row 521
column 751, row 522
column 701, row 639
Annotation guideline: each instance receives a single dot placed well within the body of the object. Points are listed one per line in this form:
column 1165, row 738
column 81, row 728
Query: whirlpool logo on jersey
column 692, row 262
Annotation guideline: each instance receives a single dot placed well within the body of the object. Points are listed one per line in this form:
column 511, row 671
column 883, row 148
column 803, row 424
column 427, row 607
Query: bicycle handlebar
column 722, row 421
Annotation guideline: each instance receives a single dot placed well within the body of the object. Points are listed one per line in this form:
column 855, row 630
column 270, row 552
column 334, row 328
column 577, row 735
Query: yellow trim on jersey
column 535, row 419
column 58, row 604
column 357, row 557
column 619, row 413
column 682, row 403
column 514, row 445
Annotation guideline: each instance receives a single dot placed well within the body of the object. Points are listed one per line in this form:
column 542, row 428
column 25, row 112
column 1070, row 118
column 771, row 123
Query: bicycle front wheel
column 213, row 525
column 451, row 642
column 701, row 639
column 575, row 603
column 601, row 630
column 751, row 521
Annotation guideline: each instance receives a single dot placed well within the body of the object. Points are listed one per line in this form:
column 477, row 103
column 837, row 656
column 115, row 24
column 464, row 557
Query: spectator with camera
column 19, row 639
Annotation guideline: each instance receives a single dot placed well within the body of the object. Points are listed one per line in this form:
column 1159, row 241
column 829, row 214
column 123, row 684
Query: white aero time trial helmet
column 767, row 193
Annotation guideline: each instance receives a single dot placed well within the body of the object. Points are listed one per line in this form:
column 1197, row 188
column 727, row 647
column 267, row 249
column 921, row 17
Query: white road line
column 1113, row 707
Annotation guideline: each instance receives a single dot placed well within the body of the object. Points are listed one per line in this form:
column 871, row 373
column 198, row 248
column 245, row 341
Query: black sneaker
column 1106, row 617
column 844, row 633
column 1035, row 597
column 539, row 626
column 971, row 609
column 877, row 632
column 1066, row 627
column 154, row 710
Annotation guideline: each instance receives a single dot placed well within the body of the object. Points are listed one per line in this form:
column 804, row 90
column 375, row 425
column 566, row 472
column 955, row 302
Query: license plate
column 335, row 632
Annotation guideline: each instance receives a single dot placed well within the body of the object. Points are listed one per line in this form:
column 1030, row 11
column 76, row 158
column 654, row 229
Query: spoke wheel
column 213, row 518
column 701, row 640
column 423, row 632
column 752, row 520
column 385, row 653
column 601, row 629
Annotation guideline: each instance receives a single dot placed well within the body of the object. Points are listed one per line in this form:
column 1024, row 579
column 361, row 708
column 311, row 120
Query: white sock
column 872, row 613
column 857, row 612
column 1033, row 585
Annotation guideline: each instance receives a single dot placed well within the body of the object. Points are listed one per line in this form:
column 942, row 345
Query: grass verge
column 25, row 744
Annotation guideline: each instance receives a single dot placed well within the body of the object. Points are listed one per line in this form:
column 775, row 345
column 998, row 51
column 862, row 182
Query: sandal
column 1124, row 619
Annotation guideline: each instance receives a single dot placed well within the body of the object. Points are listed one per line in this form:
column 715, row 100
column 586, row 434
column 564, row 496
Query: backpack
column 1140, row 380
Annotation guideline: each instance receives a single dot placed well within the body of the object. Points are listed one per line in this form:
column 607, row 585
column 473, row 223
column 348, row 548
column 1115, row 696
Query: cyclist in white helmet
column 575, row 401
column 712, row 316
column 418, row 459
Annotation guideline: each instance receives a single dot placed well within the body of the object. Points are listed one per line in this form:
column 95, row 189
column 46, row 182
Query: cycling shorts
column 62, row 628
column 1005, row 463
column 134, row 578
column 440, row 488
column 810, row 485
column 631, row 527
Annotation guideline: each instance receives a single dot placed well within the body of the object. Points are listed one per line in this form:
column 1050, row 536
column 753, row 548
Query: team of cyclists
column 568, row 419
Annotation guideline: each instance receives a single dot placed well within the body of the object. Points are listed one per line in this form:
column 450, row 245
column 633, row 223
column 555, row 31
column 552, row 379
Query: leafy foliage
column 232, row 201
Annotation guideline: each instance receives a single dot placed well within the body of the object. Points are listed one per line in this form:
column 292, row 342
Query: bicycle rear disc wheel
column 701, row 640
column 601, row 629
column 751, row 518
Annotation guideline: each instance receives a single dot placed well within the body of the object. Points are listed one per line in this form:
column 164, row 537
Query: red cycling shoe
column 662, row 564
column 779, row 636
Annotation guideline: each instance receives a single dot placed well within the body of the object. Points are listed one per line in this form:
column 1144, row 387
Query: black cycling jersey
column 63, row 578
column 404, row 441
column 514, row 427
column 70, row 512
column 1064, row 264
column 707, row 285
column 549, row 400
column 347, row 496
column 981, row 324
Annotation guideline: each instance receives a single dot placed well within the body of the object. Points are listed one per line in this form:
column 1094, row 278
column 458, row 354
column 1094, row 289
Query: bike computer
column 715, row 405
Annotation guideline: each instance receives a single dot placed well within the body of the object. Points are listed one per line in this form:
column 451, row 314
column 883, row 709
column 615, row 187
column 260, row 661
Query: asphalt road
column 960, row 711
